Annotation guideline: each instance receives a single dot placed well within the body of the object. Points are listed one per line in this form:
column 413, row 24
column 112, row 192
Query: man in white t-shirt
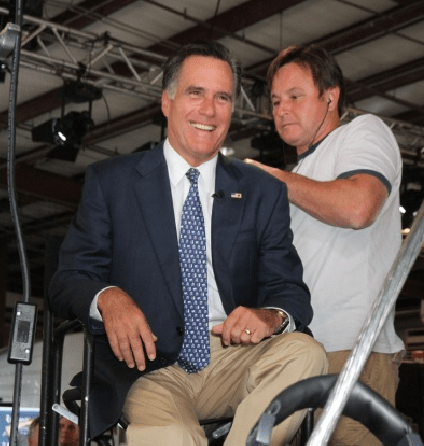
column 344, row 195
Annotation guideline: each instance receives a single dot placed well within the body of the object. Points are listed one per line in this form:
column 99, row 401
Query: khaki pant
column 164, row 406
column 381, row 374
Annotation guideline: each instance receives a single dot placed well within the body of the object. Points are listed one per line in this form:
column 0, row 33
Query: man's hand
column 248, row 325
column 272, row 170
column 281, row 175
column 126, row 328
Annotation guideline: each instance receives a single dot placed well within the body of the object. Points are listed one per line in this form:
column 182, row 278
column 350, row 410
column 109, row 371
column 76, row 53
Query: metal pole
column 369, row 333
column 46, row 397
column 85, row 388
column 14, row 212
column 56, row 374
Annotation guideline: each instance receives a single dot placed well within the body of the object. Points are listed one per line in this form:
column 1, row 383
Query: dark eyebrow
column 295, row 90
column 194, row 87
column 225, row 93
column 218, row 93
column 290, row 91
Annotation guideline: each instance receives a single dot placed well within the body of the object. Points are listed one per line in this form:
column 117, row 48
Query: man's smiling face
column 199, row 114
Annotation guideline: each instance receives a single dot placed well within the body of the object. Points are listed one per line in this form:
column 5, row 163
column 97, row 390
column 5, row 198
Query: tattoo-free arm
column 354, row 202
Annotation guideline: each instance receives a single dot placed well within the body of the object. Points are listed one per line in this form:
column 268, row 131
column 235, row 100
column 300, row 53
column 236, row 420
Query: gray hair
column 172, row 67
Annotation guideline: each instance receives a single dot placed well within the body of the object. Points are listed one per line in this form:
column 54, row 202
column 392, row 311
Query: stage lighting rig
column 8, row 38
column 78, row 92
column 66, row 132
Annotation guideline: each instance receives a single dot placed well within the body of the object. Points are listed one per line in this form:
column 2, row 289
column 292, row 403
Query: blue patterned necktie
column 195, row 354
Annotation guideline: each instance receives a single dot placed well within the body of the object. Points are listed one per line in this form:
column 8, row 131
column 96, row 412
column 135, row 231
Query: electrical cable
column 11, row 184
column 14, row 72
column 322, row 123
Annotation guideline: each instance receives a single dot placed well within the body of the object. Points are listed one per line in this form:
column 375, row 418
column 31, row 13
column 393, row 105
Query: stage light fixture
column 67, row 133
column 79, row 92
column 47, row 132
column 73, row 127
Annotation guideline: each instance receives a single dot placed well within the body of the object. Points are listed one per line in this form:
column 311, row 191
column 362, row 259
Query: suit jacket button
column 180, row 331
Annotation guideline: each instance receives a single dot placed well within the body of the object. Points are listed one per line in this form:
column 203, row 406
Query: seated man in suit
column 181, row 262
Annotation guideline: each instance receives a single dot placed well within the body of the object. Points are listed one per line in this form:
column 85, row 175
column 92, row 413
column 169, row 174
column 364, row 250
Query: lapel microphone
column 219, row 194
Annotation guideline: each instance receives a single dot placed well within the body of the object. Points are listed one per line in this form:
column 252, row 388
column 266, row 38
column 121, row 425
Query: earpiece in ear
column 328, row 101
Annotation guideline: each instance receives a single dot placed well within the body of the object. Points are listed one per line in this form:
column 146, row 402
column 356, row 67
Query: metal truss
column 92, row 58
column 89, row 57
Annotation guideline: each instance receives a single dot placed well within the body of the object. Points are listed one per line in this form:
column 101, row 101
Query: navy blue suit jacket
column 124, row 234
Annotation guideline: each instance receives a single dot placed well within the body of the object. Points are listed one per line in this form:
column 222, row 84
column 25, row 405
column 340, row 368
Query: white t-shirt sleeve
column 369, row 147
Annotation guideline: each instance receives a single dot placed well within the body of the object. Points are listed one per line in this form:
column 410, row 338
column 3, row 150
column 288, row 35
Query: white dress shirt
column 180, row 185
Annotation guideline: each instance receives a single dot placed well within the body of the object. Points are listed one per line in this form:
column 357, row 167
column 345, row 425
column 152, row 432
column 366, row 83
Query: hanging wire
column 281, row 30
column 217, row 7
column 11, row 184
column 11, row 156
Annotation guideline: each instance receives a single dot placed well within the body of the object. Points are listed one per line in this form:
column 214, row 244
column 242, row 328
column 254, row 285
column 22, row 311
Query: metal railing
column 382, row 308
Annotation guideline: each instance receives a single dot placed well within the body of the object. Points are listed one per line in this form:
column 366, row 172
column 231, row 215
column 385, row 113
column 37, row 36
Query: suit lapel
column 153, row 193
column 226, row 221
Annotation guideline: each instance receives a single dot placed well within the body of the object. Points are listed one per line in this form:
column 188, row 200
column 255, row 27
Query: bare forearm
column 349, row 203
column 329, row 202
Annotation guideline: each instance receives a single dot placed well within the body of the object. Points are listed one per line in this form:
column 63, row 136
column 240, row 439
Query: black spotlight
column 47, row 132
column 67, row 133
column 73, row 127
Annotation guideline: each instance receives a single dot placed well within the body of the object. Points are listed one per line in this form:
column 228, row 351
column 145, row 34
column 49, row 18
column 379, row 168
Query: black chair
column 76, row 400
column 80, row 392
column 364, row 405
column 52, row 372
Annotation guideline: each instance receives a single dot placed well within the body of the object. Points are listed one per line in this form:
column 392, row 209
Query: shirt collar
column 178, row 167
column 313, row 147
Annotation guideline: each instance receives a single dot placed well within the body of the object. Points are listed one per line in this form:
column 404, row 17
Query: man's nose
column 281, row 108
column 207, row 107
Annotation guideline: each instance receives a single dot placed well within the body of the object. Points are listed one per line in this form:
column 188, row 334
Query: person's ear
column 332, row 95
column 165, row 102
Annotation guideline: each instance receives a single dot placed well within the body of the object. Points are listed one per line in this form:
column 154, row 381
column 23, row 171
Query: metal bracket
column 8, row 38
